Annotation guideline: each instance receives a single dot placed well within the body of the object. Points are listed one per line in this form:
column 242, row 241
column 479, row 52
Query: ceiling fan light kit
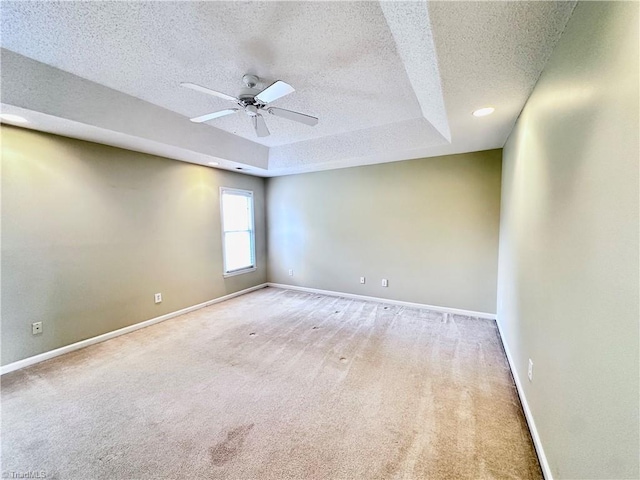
column 254, row 103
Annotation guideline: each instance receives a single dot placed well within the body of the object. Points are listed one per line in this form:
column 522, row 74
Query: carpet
column 275, row 384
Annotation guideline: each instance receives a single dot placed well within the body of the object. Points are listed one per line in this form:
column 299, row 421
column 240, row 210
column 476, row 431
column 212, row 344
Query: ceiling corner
column 411, row 29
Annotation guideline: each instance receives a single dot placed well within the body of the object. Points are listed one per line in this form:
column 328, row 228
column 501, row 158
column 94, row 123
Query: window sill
column 239, row 272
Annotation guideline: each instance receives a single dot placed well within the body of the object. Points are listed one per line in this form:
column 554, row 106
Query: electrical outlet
column 362, row 279
column 158, row 297
column 530, row 370
column 36, row 328
column 385, row 282
column 290, row 273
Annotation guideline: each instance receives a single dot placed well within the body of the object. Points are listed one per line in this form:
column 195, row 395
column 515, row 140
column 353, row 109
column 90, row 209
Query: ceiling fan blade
column 295, row 116
column 275, row 91
column 208, row 91
column 260, row 126
column 211, row 116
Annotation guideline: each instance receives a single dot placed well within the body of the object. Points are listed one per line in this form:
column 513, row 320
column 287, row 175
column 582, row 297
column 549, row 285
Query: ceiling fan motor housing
column 247, row 96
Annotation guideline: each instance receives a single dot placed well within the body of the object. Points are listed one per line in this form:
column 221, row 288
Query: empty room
column 320, row 240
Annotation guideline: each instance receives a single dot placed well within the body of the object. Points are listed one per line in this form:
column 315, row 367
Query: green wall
column 91, row 232
column 429, row 226
column 568, row 276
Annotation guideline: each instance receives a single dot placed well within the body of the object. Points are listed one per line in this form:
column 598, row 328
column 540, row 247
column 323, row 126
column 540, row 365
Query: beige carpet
column 275, row 384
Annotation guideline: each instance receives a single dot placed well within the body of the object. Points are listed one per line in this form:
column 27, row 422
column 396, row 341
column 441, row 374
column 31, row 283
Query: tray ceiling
column 389, row 80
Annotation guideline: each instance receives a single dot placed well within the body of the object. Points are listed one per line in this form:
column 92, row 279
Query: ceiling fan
column 254, row 103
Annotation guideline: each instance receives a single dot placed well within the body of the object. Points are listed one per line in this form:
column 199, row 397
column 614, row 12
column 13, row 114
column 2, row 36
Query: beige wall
column 90, row 233
column 568, row 274
column 429, row 226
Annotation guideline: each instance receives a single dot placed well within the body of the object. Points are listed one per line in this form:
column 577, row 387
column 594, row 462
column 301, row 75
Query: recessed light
column 483, row 112
column 213, row 164
column 9, row 117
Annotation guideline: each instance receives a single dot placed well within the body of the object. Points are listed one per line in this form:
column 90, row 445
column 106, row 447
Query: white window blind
column 238, row 239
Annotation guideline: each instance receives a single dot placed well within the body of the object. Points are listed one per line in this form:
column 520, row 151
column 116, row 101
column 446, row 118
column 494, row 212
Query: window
column 238, row 239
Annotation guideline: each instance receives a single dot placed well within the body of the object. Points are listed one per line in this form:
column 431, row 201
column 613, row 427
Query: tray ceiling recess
column 388, row 81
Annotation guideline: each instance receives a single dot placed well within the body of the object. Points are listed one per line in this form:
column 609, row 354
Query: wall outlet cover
column 362, row 280
column 157, row 297
column 36, row 328
column 385, row 282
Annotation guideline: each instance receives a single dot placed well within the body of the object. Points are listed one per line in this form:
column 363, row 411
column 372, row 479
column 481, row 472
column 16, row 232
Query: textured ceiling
column 389, row 80
column 411, row 28
column 339, row 56
column 492, row 53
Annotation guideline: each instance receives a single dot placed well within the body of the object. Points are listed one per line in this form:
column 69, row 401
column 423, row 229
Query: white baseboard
column 544, row 464
column 122, row 331
column 331, row 293
column 116, row 333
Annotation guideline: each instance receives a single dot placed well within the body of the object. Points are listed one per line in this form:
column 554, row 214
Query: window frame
column 252, row 236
